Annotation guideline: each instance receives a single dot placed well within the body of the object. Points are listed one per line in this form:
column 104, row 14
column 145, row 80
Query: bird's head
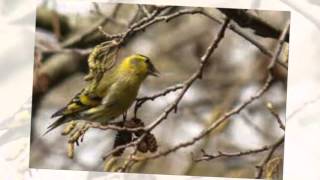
column 140, row 65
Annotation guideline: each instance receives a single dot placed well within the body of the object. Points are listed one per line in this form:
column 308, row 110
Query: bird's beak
column 154, row 72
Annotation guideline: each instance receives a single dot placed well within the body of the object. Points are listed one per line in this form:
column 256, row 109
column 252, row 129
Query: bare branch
column 247, row 19
column 142, row 100
column 246, row 36
column 217, row 123
column 194, row 77
column 152, row 18
column 131, row 144
column 276, row 115
column 144, row 10
column 186, row 86
column 207, row 157
column 114, row 127
column 260, row 167
column 227, row 115
column 92, row 29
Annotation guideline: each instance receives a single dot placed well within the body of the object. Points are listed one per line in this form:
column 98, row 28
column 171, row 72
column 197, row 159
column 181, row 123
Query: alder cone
column 148, row 143
column 122, row 138
column 151, row 142
column 135, row 123
column 143, row 147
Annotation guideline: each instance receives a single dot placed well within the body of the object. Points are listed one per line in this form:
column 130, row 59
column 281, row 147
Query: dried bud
column 75, row 136
column 273, row 168
column 270, row 106
column 70, row 150
column 109, row 164
column 68, row 128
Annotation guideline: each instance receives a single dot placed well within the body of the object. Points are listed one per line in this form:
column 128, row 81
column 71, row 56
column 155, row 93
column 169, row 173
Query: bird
column 111, row 97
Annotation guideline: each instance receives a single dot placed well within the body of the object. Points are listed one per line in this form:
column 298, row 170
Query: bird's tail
column 60, row 121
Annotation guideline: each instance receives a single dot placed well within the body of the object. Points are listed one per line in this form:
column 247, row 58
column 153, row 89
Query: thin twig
column 142, row 100
column 260, row 167
column 134, row 17
column 114, row 127
column 83, row 52
column 131, row 144
column 144, row 10
column 207, row 157
column 276, row 116
column 129, row 162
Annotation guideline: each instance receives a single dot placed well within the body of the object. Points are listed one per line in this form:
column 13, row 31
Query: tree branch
column 247, row 37
column 186, row 86
column 276, row 115
column 229, row 114
column 208, row 157
column 260, row 167
column 194, row 77
column 79, row 37
column 247, row 19
column 142, row 100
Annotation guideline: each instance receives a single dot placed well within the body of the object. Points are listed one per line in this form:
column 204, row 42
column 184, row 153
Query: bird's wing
column 110, row 106
column 82, row 101
column 88, row 97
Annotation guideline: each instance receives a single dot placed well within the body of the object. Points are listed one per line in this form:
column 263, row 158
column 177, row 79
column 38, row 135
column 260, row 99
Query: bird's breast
column 126, row 91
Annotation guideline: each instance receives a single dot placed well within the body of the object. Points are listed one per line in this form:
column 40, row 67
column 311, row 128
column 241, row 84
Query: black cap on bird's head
column 151, row 70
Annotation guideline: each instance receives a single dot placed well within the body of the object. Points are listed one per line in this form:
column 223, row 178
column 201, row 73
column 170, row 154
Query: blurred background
column 236, row 70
